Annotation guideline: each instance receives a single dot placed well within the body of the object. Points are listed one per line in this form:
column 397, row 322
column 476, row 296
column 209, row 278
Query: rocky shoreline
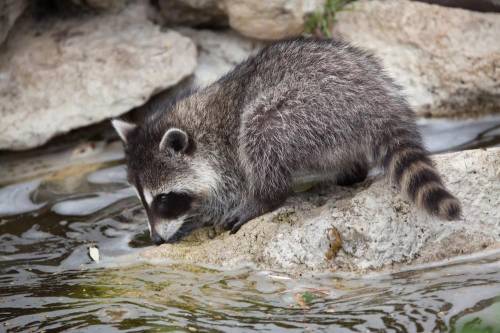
column 89, row 61
column 358, row 229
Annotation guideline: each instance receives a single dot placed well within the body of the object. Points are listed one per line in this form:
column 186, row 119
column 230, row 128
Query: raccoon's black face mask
column 172, row 183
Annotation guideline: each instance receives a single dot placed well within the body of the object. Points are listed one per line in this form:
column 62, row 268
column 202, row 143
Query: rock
column 272, row 19
column 62, row 74
column 218, row 52
column 447, row 59
column 193, row 13
column 377, row 227
column 10, row 10
column 266, row 20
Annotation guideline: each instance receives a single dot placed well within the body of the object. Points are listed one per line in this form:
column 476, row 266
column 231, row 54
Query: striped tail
column 410, row 168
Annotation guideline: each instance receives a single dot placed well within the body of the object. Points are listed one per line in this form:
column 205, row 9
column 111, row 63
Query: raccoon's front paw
column 237, row 225
column 235, row 220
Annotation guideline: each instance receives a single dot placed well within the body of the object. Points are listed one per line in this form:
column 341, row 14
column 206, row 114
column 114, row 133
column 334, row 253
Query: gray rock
column 10, row 10
column 59, row 75
column 218, row 52
column 271, row 19
column 377, row 227
column 447, row 59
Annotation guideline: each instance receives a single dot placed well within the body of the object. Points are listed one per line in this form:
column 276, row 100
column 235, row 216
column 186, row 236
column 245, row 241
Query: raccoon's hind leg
column 356, row 173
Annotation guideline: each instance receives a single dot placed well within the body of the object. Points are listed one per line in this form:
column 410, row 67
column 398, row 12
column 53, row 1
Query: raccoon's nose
column 156, row 238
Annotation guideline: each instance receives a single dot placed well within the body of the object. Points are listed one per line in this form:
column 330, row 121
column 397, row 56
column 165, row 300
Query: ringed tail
column 411, row 169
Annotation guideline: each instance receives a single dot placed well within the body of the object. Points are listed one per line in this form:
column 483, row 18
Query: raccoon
column 222, row 155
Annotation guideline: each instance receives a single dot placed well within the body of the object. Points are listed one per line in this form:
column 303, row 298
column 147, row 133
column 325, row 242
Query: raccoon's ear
column 123, row 128
column 175, row 139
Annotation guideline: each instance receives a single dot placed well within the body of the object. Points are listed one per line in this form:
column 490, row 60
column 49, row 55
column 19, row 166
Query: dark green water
column 54, row 205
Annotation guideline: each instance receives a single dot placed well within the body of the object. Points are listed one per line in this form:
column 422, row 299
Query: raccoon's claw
column 228, row 223
column 236, row 227
column 234, row 223
column 238, row 217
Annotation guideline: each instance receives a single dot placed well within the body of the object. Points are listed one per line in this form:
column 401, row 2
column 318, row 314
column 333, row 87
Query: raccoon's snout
column 170, row 231
column 171, row 205
column 156, row 238
column 167, row 218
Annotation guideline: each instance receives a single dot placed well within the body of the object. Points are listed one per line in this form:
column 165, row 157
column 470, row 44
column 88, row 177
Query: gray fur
column 299, row 106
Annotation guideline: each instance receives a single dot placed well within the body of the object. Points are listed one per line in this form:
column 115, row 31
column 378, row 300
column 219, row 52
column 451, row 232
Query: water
column 54, row 205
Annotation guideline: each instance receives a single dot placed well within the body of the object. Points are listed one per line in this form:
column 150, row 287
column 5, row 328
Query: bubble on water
column 15, row 199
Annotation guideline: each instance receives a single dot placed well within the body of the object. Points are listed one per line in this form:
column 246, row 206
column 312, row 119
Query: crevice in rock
column 492, row 6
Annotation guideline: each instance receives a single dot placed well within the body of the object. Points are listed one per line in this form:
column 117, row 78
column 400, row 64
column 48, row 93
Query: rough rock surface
column 70, row 73
column 272, row 19
column 377, row 227
column 447, row 59
column 10, row 10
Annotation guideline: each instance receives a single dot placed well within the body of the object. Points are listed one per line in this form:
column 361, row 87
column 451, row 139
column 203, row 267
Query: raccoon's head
column 173, row 182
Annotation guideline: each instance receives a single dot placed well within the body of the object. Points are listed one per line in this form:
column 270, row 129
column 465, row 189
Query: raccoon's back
column 310, row 63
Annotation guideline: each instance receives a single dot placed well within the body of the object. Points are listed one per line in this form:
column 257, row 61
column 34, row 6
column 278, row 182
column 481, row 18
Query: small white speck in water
column 94, row 253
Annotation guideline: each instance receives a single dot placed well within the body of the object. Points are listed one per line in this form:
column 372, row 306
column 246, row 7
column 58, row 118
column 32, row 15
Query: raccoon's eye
column 171, row 205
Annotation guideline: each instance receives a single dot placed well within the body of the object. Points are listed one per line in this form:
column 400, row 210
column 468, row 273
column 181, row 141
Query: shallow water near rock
column 55, row 205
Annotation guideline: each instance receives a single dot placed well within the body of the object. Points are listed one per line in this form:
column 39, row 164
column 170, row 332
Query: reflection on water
column 15, row 199
column 51, row 213
column 442, row 135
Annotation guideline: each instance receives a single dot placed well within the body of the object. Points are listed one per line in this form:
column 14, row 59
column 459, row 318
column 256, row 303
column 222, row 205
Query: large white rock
column 378, row 228
column 59, row 75
column 10, row 10
column 447, row 59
